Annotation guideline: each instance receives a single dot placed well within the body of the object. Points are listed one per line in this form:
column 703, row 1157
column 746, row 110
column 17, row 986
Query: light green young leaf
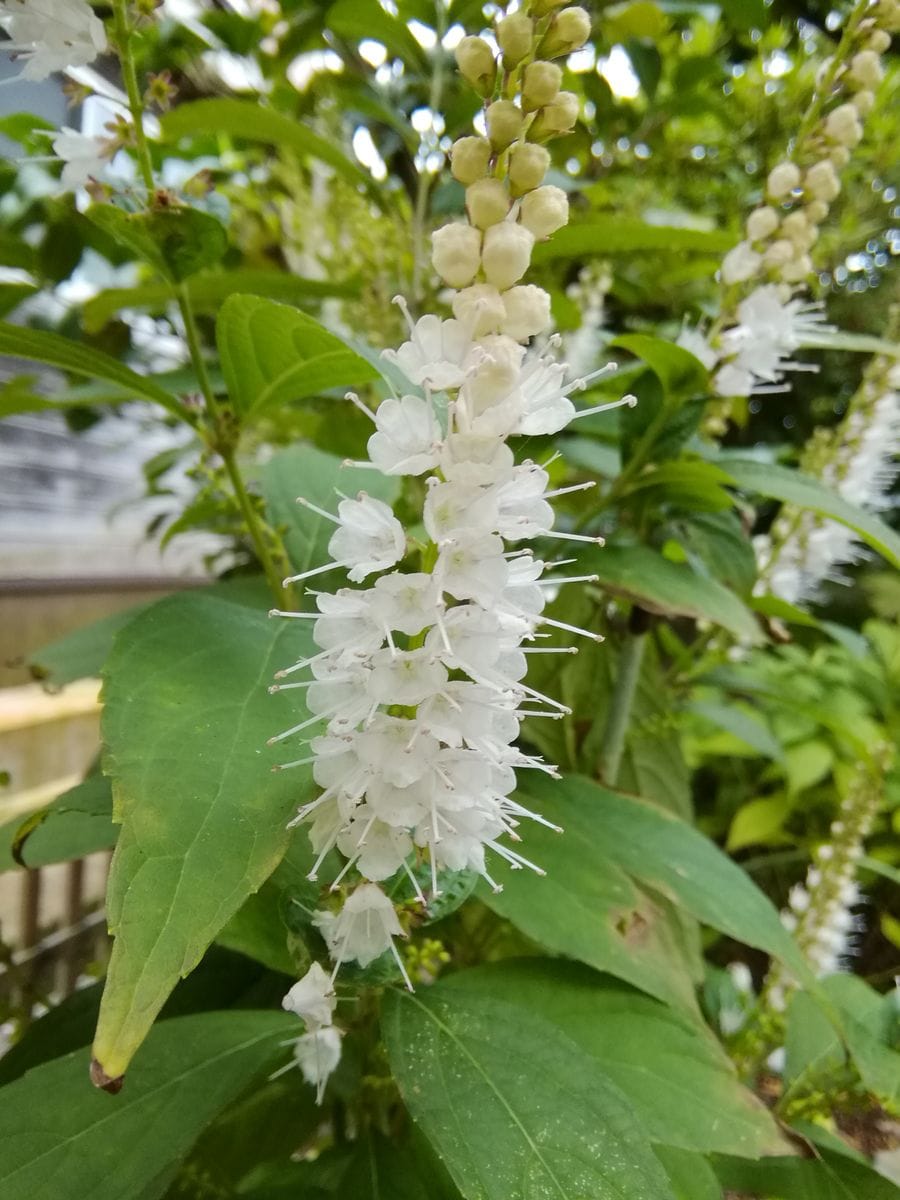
column 38, row 345
column 513, row 1107
column 273, row 354
column 681, row 1084
column 61, row 1140
column 793, row 487
column 203, row 817
column 624, row 235
column 255, row 122
column 742, row 724
column 669, row 588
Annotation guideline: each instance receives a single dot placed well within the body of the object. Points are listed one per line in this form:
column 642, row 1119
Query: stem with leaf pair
column 218, row 433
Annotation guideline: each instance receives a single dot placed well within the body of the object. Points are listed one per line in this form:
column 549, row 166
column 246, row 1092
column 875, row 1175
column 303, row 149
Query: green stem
column 135, row 102
column 266, row 543
column 823, row 88
column 613, row 744
column 424, row 180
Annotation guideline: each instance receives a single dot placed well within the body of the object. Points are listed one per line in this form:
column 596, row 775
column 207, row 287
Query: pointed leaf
column 203, row 816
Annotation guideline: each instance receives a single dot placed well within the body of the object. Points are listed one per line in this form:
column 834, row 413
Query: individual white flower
column 436, row 353
column 479, row 308
column 407, row 436
column 693, row 341
column 473, row 570
column 408, row 603
column 312, row 999
column 376, row 848
column 84, row 158
column 52, row 35
column 364, row 928
column 405, row 676
column 317, row 1054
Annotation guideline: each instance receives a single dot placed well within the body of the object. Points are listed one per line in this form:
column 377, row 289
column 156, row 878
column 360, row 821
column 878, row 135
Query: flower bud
column 782, row 180
column 540, row 85
column 839, row 156
column 527, row 311
column 506, row 254
column 558, row 117
column 863, row 102
column 779, row 253
column 475, row 60
column 544, row 210
column 514, row 37
column 842, row 125
column 740, row 263
column 797, row 269
column 480, row 305
column 879, row 41
column 795, row 226
column 487, row 201
column 469, row 158
column 821, row 181
column 570, row 29
column 504, row 123
column 455, row 253
column 816, row 211
column 762, row 223
column 866, row 70
column 528, row 164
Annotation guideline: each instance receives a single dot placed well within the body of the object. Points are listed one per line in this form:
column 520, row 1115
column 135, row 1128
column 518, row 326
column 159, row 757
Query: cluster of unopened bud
column 780, row 234
column 508, row 204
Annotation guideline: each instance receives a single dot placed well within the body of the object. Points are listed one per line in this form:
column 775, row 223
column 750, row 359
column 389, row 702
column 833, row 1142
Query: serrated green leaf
column 677, row 369
column 177, row 241
column 38, row 345
column 272, row 354
column 781, row 483
column 512, row 1105
column 61, row 1140
column 203, row 817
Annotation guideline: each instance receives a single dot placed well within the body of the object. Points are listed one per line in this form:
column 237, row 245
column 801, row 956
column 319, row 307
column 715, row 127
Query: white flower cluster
column 420, row 674
column 860, row 465
column 753, row 355
column 52, row 35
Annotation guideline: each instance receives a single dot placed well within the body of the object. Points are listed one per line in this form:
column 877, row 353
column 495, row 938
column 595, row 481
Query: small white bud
column 863, row 102
column 783, row 179
column 506, row 254
column 527, row 311
column 487, row 202
column 540, row 85
column 866, row 70
column 762, row 223
column 556, row 118
column 514, row 36
column 839, row 156
column 480, row 306
column 821, row 181
column 544, row 210
column 797, row 269
column 475, row 60
column 504, row 123
column 455, row 253
column 816, row 211
column 795, row 226
column 879, row 41
column 740, row 263
column 569, row 31
column 842, row 125
column 469, row 158
column 779, row 253
column 528, row 164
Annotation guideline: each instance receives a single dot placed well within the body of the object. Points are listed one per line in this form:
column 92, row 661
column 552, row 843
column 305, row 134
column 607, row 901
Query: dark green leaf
column 62, row 1140
column 830, row 1176
column 203, row 816
column 77, row 823
column 272, row 354
column 691, row 1176
column 512, row 1105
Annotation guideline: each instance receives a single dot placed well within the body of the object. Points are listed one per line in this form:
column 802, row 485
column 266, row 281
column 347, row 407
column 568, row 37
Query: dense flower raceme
column 859, row 462
column 52, row 35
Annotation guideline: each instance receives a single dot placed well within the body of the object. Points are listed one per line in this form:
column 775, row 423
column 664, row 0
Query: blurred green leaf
column 77, row 823
column 177, row 241
column 610, row 234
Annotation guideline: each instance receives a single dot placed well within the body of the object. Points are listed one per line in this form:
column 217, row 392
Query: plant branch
column 612, row 745
column 135, row 102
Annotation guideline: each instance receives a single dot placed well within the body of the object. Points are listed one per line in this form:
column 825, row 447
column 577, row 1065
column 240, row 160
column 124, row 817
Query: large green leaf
column 611, row 844
column 38, row 345
column 318, row 477
column 203, row 816
column 623, row 235
column 209, row 289
column 80, row 654
column 515, row 1108
column 255, row 122
column 677, row 1078
column 272, row 354
column 677, row 369
column 361, row 19
column 668, row 588
column 691, row 1176
column 793, row 487
column 60, row 1140
column 828, row 1176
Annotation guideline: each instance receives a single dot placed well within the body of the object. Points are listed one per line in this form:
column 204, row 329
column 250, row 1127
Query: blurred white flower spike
column 420, row 674
column 52, row 35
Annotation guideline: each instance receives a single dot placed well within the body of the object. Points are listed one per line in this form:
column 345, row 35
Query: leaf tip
column 108, row 1083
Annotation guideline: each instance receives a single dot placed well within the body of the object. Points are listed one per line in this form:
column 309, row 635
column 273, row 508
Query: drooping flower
column 312, row 999
column 52, row 35
column 83, row 157
column 317, row 1054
